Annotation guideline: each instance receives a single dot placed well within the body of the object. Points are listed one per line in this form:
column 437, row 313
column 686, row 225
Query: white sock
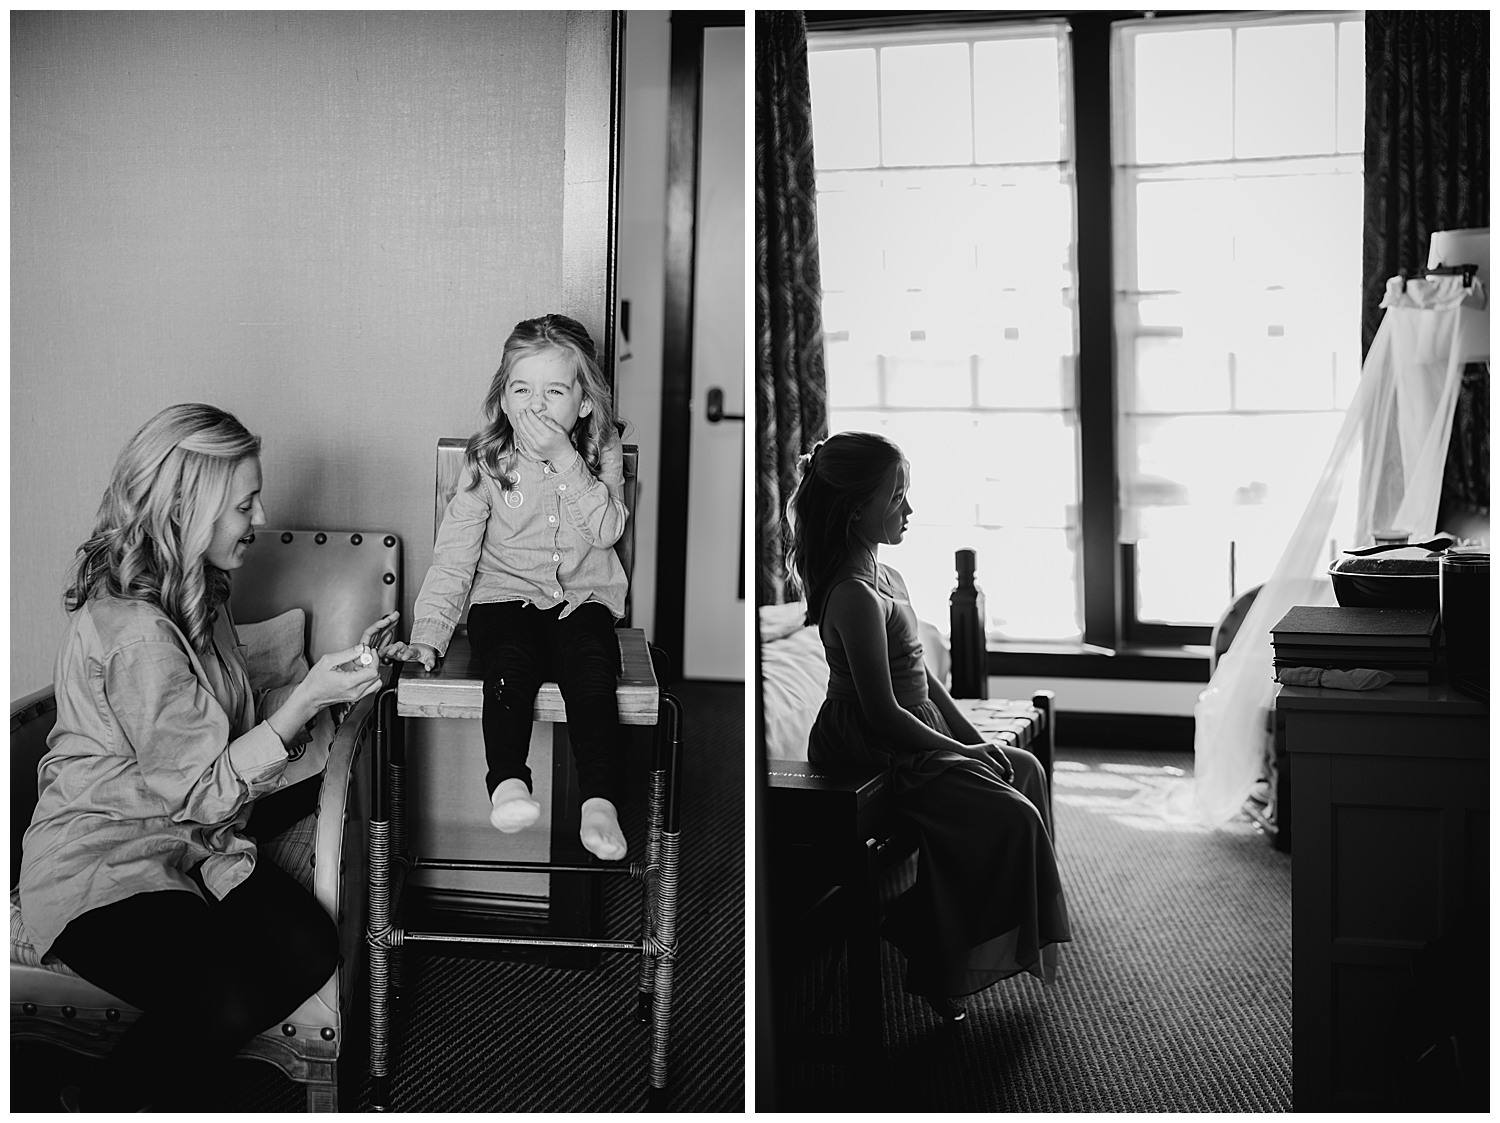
column 511, row 807
column 599, row 830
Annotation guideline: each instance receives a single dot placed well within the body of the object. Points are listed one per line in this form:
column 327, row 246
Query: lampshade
column 1461, row 247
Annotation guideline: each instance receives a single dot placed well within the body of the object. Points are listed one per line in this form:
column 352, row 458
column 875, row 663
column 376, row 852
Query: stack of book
column 1402, row 641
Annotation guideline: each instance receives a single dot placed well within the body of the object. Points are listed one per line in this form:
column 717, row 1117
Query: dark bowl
column 1385, row 590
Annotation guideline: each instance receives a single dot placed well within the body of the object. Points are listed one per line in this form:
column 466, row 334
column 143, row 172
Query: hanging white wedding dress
column 1397, row 428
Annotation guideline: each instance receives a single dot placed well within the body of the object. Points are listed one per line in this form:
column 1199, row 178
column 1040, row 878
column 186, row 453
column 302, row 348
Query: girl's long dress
column 987, row 896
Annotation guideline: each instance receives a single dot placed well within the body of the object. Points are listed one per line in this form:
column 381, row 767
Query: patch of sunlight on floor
column 1143, row 769
column 1143, row 797
column 1152, row 823
column 1096, row 780
column 1093, row 802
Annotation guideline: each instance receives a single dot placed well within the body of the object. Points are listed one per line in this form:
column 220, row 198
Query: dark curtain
column 790, row 389
column 1427, row 168
column 1427, row 139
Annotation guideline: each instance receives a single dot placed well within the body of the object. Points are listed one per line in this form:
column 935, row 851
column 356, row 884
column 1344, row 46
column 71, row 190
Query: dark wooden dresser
column 1390, row 898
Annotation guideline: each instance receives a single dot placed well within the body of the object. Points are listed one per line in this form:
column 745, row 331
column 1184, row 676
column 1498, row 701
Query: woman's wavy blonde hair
column 156, row 519
column 492, row 450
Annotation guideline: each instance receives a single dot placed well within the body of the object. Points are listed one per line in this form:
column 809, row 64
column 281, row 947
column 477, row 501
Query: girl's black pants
column 519, row 647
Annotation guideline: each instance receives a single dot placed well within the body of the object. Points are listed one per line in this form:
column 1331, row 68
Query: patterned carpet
column 491, row 1035
column 1175, row 994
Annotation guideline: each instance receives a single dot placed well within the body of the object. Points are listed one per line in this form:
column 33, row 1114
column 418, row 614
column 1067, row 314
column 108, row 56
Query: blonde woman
column 138, row 869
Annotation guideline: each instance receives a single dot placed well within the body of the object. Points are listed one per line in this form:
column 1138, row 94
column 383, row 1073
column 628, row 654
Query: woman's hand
column 341, row 676
column 375, row 637
column 338, row 677
column 544, row 438
column 411, row 653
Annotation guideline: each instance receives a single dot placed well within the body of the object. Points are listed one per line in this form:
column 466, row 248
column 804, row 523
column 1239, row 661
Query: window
column 945, row 224
column 1238, row 193
column 948, row 181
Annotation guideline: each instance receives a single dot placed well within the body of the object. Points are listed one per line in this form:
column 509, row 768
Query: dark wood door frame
column 684, row 110
column 612, row 251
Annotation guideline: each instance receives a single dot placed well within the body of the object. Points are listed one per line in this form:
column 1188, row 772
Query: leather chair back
column 1228, row 626
column 31, row 719
column 344, row 581
column 450, row 472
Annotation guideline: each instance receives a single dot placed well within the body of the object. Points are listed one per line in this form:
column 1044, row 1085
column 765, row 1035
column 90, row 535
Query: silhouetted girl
column 987, row 899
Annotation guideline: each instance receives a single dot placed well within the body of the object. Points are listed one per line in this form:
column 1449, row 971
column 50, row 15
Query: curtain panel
column 791, row 411
column 1427, row 140
column 1427, row 160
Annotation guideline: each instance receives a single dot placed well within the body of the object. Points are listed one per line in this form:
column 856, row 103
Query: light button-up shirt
column 150, row 771
column 555, row 545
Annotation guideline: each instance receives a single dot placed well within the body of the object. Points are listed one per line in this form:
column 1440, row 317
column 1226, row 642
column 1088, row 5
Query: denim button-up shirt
column 150, row 770
column 547, row 540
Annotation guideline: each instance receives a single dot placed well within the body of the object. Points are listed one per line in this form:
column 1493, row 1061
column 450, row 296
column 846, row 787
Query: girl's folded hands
column 993, row 756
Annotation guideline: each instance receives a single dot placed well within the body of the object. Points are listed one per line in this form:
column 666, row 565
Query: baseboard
column 1156, row 732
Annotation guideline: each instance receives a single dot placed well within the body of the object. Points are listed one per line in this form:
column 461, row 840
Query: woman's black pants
column 207, row 975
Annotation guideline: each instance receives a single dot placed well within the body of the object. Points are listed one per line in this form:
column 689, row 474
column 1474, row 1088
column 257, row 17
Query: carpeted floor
column 494, row 1035
column 1175, row 994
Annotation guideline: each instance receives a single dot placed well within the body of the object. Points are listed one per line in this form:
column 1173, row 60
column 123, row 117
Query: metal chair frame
column 390, row 861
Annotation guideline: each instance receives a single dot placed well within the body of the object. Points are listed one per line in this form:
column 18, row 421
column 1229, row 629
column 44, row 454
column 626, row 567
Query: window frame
column 974, row 36
column 1114, row 645
column 1133, row 629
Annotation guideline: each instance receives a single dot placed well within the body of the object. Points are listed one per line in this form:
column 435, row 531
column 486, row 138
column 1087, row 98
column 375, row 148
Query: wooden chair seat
column 455, row 687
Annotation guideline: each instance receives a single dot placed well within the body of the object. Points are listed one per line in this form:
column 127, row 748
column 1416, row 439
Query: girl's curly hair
column 492, row 450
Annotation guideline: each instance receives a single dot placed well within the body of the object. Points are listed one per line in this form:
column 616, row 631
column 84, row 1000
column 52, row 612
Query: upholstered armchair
column 341, row 582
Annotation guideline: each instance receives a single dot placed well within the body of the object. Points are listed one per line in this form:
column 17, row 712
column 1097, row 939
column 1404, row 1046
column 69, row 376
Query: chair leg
column 655, row 817
column 664, row 939
column 396, row 772
column 666, row 942
column 380, row 934
column 655, row 811
column 322, row 1098
column 866, row 991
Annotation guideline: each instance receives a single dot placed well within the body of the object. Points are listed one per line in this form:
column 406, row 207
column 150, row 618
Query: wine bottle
column 970, row 675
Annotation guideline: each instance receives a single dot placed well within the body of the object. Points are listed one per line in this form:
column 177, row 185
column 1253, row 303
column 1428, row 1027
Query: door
column 714, row 623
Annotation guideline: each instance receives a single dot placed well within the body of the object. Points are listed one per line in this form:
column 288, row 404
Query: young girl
column 987, row 897
column 532, row 536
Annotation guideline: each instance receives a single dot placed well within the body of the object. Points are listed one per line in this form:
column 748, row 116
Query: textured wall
column 324, row 222
column 643, row 241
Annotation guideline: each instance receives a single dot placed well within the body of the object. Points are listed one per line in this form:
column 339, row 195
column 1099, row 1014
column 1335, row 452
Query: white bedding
column 794, row 676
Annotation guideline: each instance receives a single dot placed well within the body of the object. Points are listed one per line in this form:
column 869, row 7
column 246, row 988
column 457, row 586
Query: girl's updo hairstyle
column 838, row 477
column 492, row 450
column 156, row 520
